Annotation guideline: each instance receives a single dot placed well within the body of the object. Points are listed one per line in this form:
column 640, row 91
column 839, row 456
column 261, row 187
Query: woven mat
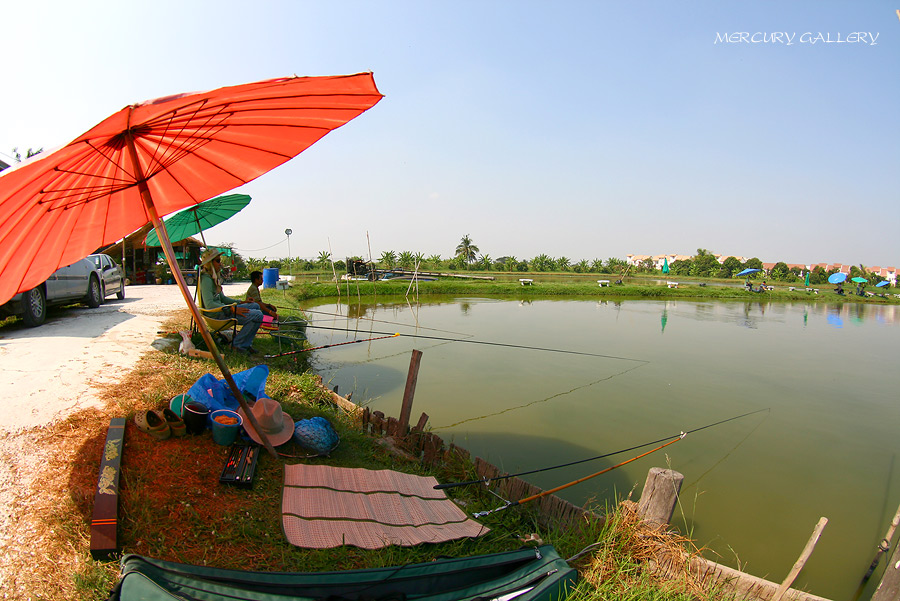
column 325, row 507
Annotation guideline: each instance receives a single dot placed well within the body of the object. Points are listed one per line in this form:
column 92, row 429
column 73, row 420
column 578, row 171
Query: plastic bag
column 216, row 394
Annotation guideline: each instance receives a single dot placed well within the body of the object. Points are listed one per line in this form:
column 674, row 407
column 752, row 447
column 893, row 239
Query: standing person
column 253, row 295
column 248, row 315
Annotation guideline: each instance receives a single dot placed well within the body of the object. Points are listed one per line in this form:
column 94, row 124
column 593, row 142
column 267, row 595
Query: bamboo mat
column 324, row 507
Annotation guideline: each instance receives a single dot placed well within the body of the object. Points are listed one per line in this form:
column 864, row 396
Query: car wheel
column 95, row 293
column 121, row 293
column 35, row 307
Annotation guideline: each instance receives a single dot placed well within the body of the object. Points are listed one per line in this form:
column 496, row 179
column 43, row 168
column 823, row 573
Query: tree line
column 467, row 256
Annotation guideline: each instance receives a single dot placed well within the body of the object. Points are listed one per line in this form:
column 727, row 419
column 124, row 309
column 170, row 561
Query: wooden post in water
column 410, row 391
column 889, row 587
column 660, row 495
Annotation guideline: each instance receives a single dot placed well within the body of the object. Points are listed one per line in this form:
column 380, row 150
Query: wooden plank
column 104, row 522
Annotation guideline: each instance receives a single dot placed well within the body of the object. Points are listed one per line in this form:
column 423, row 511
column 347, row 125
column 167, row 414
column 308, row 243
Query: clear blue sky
column 585, row 129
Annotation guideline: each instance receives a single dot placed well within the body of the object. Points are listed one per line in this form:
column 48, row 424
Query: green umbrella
column 203, row 216
column 807, row 278
column 665, row 268
column 859, row 280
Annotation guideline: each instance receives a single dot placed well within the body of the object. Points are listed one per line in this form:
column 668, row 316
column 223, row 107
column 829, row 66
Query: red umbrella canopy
column 61, row 206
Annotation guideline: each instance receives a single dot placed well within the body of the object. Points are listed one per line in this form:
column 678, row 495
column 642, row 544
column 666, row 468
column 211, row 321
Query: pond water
column 615, row 374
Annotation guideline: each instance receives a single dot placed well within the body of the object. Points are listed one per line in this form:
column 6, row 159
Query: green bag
column 527, row 574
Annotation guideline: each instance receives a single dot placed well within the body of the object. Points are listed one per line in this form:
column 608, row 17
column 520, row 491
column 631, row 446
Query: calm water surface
column 754, row 487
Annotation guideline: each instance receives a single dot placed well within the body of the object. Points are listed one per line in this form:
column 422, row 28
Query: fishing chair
column 216, row 325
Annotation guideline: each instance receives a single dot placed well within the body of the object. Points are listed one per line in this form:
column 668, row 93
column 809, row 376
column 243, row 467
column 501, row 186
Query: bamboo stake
column 801, row 561
column 883, row 546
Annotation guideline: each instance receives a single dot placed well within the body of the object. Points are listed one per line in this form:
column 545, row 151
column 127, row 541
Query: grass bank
column 304, row 289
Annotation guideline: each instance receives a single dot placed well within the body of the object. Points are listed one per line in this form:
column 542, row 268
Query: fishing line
column 634, row 448
column 549, row 398
column 391, row 323
column 503, row 344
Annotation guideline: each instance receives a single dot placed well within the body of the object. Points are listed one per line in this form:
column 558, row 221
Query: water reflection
column 697, row 370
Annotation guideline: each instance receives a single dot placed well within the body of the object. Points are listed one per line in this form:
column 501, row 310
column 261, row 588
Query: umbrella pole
column 182, row 285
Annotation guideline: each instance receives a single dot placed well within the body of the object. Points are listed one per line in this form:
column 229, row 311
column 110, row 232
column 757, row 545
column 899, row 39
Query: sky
column 584, row 129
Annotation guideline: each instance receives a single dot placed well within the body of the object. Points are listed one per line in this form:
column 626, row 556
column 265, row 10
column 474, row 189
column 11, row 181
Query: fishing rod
column 316, row 348
column 504, row 344
column 481, row 514
column 571, row 463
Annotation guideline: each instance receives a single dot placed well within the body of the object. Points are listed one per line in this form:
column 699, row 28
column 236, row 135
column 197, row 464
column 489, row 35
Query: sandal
column 175, row 423
column 152, row 424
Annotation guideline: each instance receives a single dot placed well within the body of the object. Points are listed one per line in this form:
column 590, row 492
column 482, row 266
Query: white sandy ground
column 49, row 371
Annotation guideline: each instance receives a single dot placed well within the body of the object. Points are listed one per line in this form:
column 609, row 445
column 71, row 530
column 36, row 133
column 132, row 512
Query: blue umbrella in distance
column 880, row 284
column 747, row 271
column 837, row 278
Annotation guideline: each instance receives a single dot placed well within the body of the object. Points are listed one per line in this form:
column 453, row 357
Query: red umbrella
column 155, row 158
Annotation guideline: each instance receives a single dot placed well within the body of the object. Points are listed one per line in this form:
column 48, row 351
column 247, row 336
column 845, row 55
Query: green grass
column 582, row 285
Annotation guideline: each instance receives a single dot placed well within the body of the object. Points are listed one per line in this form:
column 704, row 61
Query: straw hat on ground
column 277, row 425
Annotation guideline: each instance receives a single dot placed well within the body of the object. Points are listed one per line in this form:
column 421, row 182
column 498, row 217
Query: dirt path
column 49, row 372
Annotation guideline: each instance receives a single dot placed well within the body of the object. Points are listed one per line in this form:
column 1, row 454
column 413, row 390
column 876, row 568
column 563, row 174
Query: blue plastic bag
column 216, row 394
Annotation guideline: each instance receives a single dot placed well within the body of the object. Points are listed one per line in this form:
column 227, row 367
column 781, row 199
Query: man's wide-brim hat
column 277, row 425
column 209, row 256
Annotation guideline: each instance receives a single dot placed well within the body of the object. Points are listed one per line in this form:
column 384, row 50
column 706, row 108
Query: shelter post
column 182, row 285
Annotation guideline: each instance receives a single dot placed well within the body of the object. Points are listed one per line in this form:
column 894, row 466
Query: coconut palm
column 484, row 262
column 324, row 259
column 597, row 266
column 562, row 263
column 434, row 261
column 466, row 250
column 582, row 266
column 542, row 262
column 511, row 263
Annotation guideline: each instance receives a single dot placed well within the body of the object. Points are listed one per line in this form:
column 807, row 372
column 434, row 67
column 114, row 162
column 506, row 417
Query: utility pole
column 288, row 233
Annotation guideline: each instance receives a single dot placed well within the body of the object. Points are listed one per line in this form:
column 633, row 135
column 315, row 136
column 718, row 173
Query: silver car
column 87, row 280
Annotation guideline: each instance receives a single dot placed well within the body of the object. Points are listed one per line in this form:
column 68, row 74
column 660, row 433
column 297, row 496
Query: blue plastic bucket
column 270, row 276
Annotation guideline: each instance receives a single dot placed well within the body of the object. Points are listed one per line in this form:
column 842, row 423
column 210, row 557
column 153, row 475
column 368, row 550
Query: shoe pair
column 160, row 423
column 247, row 351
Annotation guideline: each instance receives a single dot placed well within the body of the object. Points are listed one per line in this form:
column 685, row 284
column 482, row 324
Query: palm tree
column 484, row 262
column 434, row 260
column 324, row 259
column 511, row 263
column 597, row 266
column 542, row 262
column 582, row 266
column 419, row 259
column 466, row 250
column 562, row 263
column 388, row 258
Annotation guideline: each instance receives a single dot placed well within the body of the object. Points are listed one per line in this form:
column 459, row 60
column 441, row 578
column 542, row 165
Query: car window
column 96, row 261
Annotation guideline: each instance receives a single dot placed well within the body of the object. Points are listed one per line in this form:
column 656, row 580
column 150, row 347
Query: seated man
column 253, row 296
column 248, row 315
